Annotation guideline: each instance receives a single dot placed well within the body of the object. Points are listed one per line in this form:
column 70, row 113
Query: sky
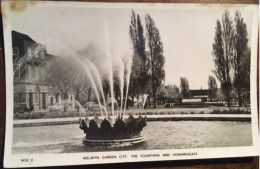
column 187, row 34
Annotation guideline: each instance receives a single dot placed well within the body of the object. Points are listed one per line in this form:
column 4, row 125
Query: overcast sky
column 187, row 35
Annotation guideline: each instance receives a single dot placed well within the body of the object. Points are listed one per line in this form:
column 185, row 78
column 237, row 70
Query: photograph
column 118, row 82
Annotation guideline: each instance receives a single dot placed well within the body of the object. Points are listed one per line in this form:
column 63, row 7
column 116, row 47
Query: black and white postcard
column 91, row 83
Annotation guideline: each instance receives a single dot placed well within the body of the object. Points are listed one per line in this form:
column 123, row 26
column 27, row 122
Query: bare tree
column 59, row 74
column 80, row 84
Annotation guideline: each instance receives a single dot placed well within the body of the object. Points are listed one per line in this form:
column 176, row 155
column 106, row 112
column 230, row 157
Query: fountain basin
column 104, row 133
column 111, row 143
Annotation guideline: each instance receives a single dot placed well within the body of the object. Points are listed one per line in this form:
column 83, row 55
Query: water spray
column 128, row 73
column 121, row 80
column 110, row 68
column 98, row 79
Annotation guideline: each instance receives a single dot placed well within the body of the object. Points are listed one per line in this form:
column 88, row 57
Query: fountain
column 109, row 130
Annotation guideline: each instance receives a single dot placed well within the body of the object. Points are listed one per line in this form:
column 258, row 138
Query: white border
column 77, row 158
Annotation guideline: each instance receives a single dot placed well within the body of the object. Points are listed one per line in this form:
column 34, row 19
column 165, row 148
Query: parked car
column 56, row 107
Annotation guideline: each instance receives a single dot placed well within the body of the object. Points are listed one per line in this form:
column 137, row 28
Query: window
column 16, row 69
column 15, row 51
column 32, row 71
column 29, row 72
column 36, row 69
column 29, row 52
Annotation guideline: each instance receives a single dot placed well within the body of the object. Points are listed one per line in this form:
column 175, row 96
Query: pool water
column 158, row 135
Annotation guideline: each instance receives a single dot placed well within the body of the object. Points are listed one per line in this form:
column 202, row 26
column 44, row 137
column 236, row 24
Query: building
column 200, row 94
column 29, row 61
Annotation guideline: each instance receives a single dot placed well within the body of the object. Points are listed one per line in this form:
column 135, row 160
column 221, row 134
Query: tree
column 162, row 94
column 93, row 58
column 59, row 74
column 139, row 76
column 88, row 91
column 184, row 86
column 223, row 50
column 172, row 91
column 239, row 61
column 135, row 71
column 144, row 76
column 175, row 92
column 80, row 84
column 95, row 55
column 212, row 86
column 246, row 60
column 136, row 61
column 157, row 58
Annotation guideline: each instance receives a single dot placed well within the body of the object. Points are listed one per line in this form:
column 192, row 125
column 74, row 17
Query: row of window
column 37, row 53
column 32, row 72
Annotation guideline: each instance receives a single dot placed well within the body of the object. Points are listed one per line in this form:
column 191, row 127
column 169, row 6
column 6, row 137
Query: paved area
column 174, row 117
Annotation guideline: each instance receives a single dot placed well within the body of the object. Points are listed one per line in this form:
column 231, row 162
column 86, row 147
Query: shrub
column 21, row 108
column 230, row 111
column 24, row 115
column 216, row 111
column 36, row 115
column 15, row 115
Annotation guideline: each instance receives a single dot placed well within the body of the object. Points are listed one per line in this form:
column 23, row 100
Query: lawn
column 157, row 111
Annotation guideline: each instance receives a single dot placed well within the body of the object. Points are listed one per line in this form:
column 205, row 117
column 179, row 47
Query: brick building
column 29, row 60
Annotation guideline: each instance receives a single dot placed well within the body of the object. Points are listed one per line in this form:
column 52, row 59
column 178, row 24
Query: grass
column 49, row 115
column 159, row 111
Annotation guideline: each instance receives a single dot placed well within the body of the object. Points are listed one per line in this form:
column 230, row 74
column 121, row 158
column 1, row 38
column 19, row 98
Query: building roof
column 199, row 92
column 19, row 35
column 19, row 40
